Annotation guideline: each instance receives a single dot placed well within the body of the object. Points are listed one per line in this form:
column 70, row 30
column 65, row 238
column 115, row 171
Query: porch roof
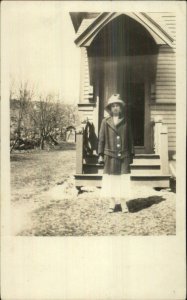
column 87, row 25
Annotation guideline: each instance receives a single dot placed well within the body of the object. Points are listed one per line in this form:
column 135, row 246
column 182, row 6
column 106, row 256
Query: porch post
column 164, row 150
column 79, row 151
column 157, row 130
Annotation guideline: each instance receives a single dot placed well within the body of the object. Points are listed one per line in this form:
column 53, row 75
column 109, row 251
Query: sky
column 38, row 41
column 40, row 47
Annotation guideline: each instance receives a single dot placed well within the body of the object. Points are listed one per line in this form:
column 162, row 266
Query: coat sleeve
column 101, row 144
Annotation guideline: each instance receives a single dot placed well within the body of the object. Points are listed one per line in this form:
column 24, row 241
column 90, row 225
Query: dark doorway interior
column 135, row 102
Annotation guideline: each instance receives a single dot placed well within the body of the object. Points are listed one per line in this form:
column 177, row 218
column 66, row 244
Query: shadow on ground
column 138, row 204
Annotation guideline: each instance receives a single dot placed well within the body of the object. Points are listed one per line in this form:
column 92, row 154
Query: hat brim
column 120, row 102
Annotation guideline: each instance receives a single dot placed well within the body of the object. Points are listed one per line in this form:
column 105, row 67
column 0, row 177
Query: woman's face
column 115, row 109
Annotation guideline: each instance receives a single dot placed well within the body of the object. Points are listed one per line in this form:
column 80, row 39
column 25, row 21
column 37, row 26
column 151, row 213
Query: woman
column 116, row 150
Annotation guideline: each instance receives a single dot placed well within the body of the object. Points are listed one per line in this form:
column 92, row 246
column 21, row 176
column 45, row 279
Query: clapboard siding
column 85, row 76
column 172, row 133
column 163, row 87
column 166, row 69
column 167, row 20
column 166, row 92
column 165, row 99
column 168, row 115
column 165, row 82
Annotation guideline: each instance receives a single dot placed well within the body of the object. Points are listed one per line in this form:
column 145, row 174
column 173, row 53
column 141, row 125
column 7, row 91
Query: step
column 138, row 164
column 143, row 155
column 153, row 180
column 89, row 159
column 145, row 161
column 88, row 180
column 145, row 169
column 151, row 177
column 92, row 168
column 148, row 156
column 93, row 165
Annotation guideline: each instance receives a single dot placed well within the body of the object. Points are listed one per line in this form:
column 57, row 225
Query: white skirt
column 116, row 186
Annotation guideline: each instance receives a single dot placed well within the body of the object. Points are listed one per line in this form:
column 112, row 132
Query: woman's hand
column 100, row 159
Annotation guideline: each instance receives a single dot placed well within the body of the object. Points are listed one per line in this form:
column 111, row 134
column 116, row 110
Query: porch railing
column 160, row 143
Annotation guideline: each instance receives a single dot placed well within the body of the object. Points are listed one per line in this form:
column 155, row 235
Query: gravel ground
column 45, row 202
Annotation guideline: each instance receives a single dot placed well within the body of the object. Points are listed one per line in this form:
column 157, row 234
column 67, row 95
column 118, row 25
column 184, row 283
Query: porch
column 147, row 169
column 124, row 53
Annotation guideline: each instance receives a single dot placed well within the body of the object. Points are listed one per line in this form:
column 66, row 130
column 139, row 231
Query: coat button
column 118, row 145
column 118, row 137
column 119, row 154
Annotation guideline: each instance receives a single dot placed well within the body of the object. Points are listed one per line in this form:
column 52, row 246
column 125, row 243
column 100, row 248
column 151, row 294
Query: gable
column 161, row 26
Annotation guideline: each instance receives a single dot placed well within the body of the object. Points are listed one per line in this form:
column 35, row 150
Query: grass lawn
column 45, row 201
column 35, row 172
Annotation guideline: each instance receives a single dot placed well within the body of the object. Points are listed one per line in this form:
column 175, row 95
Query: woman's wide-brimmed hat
column 115, row 98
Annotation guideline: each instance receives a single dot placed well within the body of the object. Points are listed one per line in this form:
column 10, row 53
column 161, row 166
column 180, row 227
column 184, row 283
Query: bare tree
column 44, row 114
column 41, row 120
column 23, row 94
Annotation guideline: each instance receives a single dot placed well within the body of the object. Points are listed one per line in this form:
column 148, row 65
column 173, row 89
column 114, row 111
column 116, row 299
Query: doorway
column 130, row 80
column 122, row 59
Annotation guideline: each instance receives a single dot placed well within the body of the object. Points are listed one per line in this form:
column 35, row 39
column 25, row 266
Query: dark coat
column 116, row 144
column 89, row 139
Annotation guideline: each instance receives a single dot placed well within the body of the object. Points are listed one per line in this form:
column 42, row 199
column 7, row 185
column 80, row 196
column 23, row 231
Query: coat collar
column 111, row 123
